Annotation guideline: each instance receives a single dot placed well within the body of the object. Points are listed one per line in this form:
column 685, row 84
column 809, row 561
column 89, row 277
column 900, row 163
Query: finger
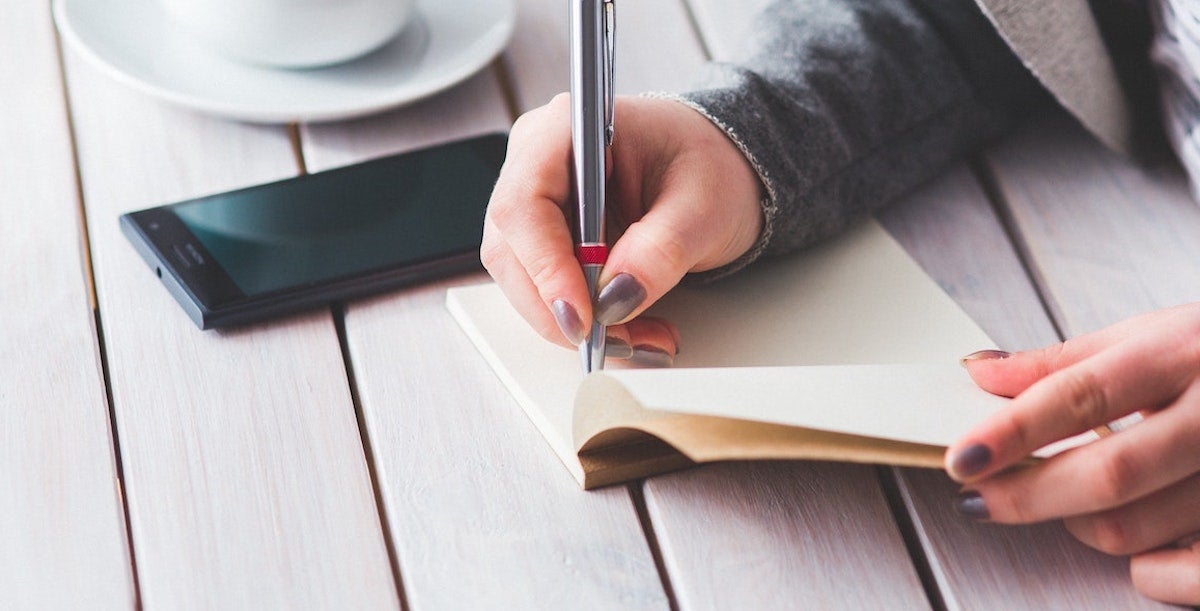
column 1156, row 520
column 1168, row 575
column 654, row 341
column 651, row 256
column 1111, row 472
column 655, row 331
column 691, row 200
column 539, row 150
column 526, row 210
column 642, row 342
column 1008, row 375
column 1087, row 394
column 510, row 276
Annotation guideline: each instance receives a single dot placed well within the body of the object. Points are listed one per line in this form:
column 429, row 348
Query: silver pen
column 592, row 23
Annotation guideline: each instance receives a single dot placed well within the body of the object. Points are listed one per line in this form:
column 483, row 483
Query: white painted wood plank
column 781, row 535
column 473, row 108
column 989, row 566
column 62, row 526
column 246, row 480
column 687, row 510
column 481, row 513
column 950, row 227
column 729, row 22
column 656, row 49
column 1107, row 238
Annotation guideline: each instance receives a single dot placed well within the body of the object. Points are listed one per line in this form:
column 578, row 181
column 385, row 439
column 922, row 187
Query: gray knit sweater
column 843, row 105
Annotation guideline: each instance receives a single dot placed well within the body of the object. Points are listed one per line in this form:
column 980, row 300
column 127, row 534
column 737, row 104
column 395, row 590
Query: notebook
column 847, row 351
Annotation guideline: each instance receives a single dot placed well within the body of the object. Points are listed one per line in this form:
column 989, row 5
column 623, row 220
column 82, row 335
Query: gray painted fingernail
column 617, row 348
column 619, row 298
column 984, row 355
column 649, row 356
column 970, row 460
column 568, row 321
column 970, row 504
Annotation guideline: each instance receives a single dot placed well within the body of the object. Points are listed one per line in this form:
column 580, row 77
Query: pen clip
column 610, row 24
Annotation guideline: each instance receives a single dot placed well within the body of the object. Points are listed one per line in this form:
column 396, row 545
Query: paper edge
column 541, row 422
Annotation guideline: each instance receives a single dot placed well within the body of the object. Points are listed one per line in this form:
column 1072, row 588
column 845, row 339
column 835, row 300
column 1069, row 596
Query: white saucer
column 136, row 42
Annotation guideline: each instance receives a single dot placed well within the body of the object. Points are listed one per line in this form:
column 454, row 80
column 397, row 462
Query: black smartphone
column 246, row 255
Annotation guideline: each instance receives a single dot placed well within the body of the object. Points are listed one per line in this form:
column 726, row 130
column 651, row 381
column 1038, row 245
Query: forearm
column 843, row 105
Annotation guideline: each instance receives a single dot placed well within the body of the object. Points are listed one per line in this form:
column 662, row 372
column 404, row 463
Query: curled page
column 889, row 414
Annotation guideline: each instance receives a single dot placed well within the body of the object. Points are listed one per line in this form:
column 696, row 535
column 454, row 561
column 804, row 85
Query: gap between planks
column 991, row 190
column 339, row 322
column 903, row 512
column 639, row 504
column 88, row 271
column 889, row 482
column 690, row 11
column 507, row 90
column 885, row 476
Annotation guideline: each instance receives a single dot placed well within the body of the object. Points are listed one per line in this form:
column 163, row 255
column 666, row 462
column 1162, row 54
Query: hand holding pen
column 682, row 198
column 689, row 196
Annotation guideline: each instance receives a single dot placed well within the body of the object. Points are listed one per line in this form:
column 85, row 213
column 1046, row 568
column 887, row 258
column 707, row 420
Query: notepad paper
column 848, row 351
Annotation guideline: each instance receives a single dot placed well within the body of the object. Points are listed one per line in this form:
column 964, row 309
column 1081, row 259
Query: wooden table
column 366, row 457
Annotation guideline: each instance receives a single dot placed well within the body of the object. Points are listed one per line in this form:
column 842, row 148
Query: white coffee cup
column 292, row 33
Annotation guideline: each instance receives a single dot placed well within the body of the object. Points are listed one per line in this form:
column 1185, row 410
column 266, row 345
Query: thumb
column 654, row 253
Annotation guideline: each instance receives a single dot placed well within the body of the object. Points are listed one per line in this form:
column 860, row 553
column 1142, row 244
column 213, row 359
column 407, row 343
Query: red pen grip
column 591, row 254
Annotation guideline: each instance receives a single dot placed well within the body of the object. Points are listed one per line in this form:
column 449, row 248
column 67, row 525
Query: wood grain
column 62, row 526
column 951, row 229
column 246, row 480
column 481, row 512
column 473, row 108
column 1107, row 239
column 687, row 510
column 781, row 535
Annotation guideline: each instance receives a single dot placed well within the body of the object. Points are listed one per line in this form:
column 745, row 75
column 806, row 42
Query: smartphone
column 246, row 255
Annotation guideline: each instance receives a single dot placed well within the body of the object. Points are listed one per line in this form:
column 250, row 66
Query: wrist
column 765, row 207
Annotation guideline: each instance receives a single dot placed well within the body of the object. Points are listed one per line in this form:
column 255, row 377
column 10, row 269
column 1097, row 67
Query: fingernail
column 568, row 321
column 970, row 460
column 969, row 504
column 617, row 348
column 649, row 356
column 984, row 355
column 619, row 298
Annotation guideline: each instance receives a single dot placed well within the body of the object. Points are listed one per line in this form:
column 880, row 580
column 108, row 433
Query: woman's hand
column 1134, row 492
column 681, row 198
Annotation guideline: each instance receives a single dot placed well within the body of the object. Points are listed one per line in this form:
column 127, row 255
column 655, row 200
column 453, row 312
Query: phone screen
column 370, row 225
column 379, row 214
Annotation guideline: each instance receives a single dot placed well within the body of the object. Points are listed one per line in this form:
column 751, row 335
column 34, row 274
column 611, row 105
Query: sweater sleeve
column 843, row 105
